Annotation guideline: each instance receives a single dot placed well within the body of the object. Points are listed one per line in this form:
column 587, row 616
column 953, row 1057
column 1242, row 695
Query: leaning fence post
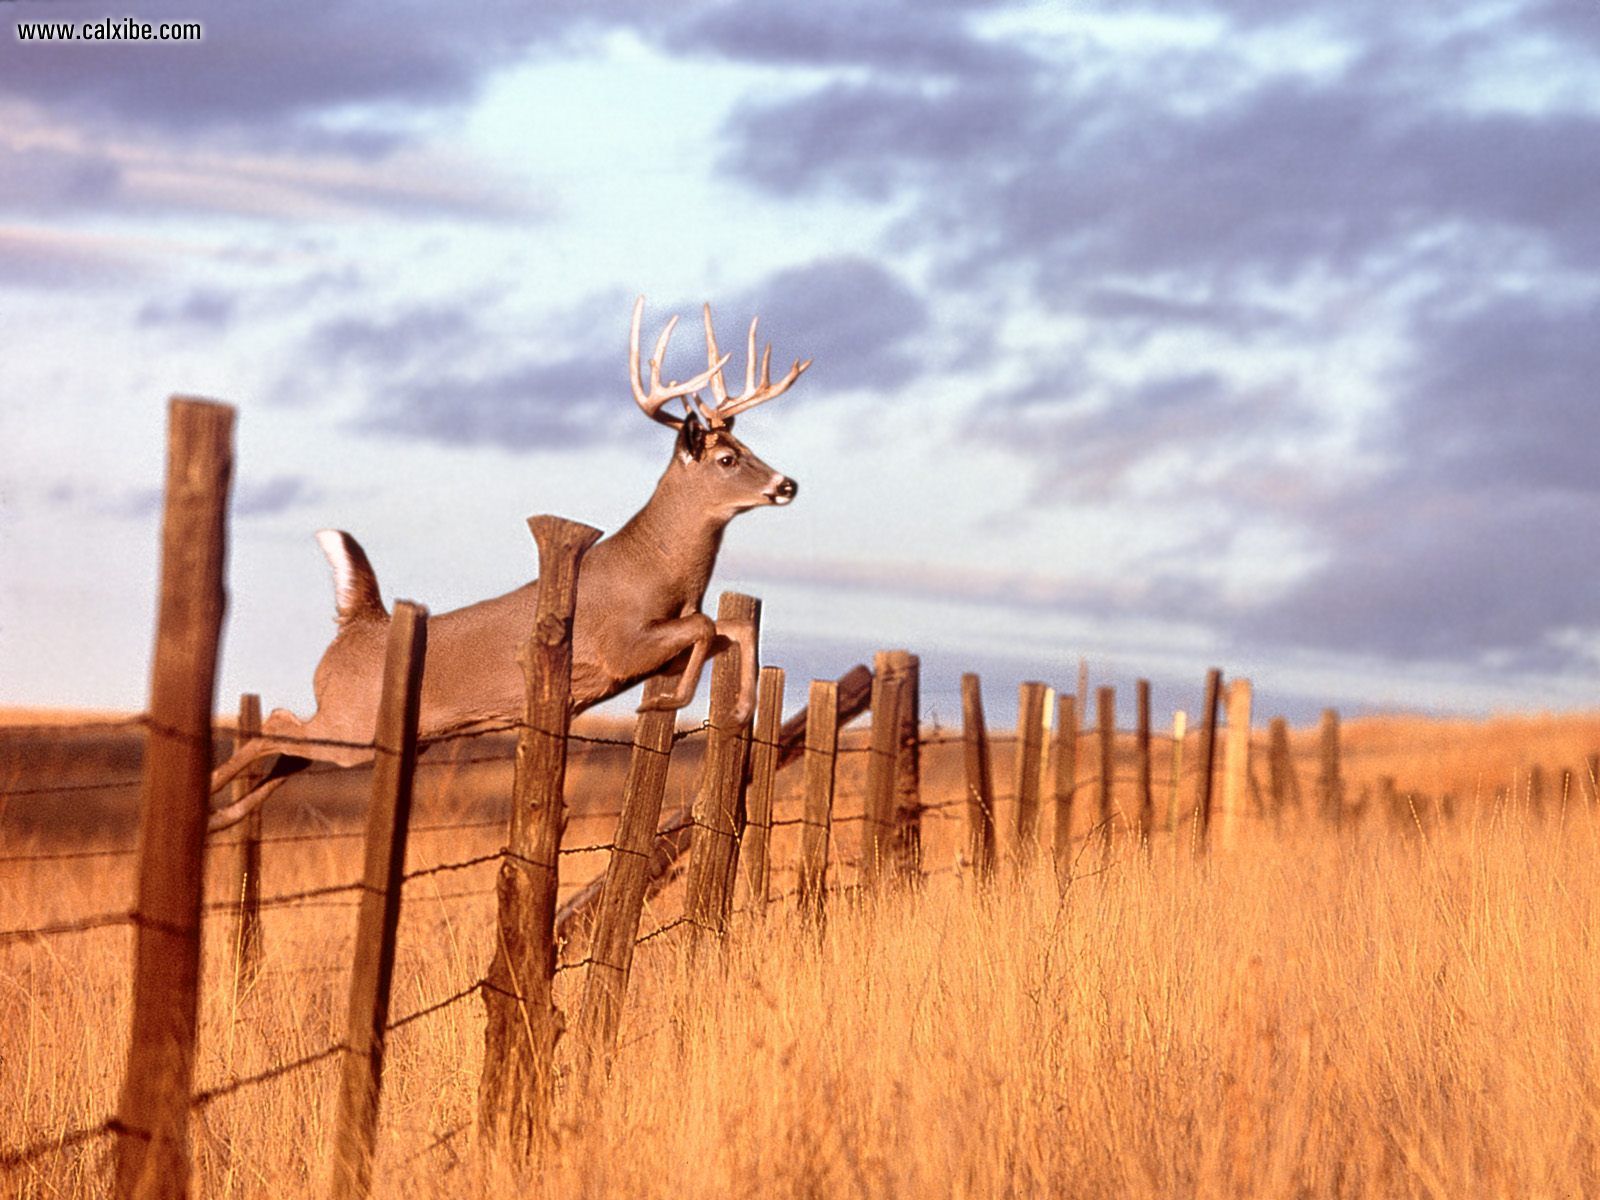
column 388, row 819
column 755, row 852
column 1205, row 779
column 152, row 1148
column 822, row 745
column 514, row 1090
column 247, row 921
column 1066, row 780
column 718, row 804
column 1236, row 763
column 616, row 922
column 878, row 823
column 1147, row 799
column 1030, row 763
column 1330, row 784
column 1106, row 714
column 980, row 778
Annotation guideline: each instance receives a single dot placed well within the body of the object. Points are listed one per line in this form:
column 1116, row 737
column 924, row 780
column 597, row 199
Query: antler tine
column 658, row 396
column 719, row 390
column 767, row 391
column 750, row 357
column 754, row 393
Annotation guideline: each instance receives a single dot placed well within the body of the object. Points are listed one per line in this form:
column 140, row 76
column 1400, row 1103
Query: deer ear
column 691, row 438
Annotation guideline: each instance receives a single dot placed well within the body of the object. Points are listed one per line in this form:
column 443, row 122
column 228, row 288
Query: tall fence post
column 152, row 1148
column 1236, row 764
column 1106, row 718
column 514, row 1090
column 907, row 831
column 616, row 922
column 883, row 766
column 1146, row 797
column 719, row 802
column 980, row 778
column 1205, row 780
column 821, row 754
column 1030, row 765
column 1066, row 780
column 247, row 921
column 1282, row 784
column 1330, row 782
column 756, row 851
column 388, row 819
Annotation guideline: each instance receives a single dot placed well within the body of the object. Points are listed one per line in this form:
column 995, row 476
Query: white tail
column 639, row 597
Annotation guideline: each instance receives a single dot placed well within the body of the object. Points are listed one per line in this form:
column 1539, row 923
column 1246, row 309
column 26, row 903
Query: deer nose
column 785, row 491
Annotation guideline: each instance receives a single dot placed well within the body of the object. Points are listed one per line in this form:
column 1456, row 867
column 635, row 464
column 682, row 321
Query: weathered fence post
column 980, row 778
column 247, row 921
column 388, row 819
column 1147, row 800
column 1106, row 717
column 1180, row 730
column 1330, row 784
column 1205, row 781
column 878, row 834
column 1282, row 784
column 152, row 1148
column 822, row 747
column 1066, row 781
column 906, row 835
column 1236, row 764
column 1030, row 765
column 514, row 1090
column 763, row 782
column 719, row 801
column 616, row 923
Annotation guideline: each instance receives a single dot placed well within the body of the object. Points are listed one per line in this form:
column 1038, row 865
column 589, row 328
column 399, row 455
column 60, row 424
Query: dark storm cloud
column 440, row 374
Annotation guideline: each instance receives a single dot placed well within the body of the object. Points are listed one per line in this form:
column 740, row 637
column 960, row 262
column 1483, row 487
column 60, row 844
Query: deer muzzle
column 783, row 491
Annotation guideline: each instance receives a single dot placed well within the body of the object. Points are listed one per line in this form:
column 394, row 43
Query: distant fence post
column 1330, row 783
column 821, row 754
column 1236, row 764
column 1147, row 800
column 1106, row 716
column 906, row 836
column 1282, row 784
column 1205, row 781
column 980, row 778
column 616, row 922
column 1030, row 765
column 755, row 853
column 388, row 819
column 1066, row 781
column 514, row 1090
column 247, row 921
column 878, row 829
column 1180, row 730
column 152, row 1147
column 719, row 800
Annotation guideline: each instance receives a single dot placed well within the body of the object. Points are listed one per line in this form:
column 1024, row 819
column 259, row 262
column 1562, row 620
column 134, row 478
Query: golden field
column 1403, row 1010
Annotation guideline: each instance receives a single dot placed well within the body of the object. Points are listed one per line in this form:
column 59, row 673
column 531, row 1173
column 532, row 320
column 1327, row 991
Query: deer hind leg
column 231, row 814
column 296, row 745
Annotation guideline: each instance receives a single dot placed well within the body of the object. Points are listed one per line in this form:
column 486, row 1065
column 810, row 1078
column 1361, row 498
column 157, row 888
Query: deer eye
column 725, row 460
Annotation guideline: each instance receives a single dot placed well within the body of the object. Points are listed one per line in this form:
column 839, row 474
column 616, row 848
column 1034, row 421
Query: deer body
column 639, row 605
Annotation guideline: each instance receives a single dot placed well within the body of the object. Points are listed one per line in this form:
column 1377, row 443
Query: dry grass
column 1378, row 1016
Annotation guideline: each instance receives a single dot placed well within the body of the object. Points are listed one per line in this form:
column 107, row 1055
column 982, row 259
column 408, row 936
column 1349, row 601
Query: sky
column 1167, row 334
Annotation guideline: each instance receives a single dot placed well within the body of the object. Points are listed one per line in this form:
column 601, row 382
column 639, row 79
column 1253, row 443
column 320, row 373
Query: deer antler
column 659, row 395
column 728, row 406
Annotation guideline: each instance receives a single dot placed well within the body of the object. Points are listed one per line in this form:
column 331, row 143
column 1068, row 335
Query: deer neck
column 675, row 536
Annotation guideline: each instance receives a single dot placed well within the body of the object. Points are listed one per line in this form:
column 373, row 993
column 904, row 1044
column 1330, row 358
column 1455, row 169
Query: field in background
column 1388, row 1013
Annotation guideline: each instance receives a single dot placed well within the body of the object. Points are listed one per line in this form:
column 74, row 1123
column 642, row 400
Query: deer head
column 719, row 469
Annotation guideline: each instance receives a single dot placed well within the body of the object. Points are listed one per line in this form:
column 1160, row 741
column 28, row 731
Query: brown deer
column 639, row 597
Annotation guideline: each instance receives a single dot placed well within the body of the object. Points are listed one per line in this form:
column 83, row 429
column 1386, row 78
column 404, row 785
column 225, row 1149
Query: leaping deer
column 639, row 596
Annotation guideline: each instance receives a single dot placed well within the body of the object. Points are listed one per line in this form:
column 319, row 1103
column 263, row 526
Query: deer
column 639, row 599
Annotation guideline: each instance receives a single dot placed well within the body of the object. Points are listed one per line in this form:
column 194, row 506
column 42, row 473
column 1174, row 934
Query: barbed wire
column 14, row 1159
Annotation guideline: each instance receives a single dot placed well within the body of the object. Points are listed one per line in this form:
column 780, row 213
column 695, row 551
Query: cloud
column 36, row 258
column 251, row 497
column 209, row 308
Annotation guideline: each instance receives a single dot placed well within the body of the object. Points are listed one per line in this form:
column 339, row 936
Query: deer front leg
column 665, row 640
column 743, row 635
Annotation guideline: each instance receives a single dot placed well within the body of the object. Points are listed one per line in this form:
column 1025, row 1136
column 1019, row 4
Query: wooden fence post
column 1205, row 781
column 906, row 835
column 616, row 923
column 980, row 778
column 1282, row 784
column 1066, row 781
column 763, row 782
column 152, row 1147
column 883, row 766
column 247, row 921
column 1106, row 717
column 822, row 746
column 388, row 819
column 1236, row 764
column 1147, row 800
column 514, row 1090
column 1030, row 765
column 719, row 801
column 1180, row 730
column 1330, row 784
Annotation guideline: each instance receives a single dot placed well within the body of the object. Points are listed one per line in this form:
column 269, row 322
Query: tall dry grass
column 1379, row 1016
